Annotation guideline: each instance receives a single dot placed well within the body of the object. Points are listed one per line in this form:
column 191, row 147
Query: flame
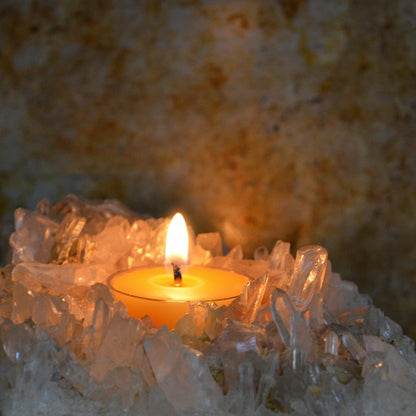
column 177, row 241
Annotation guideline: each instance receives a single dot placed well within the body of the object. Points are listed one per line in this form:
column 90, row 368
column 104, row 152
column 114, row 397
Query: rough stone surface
column 288, row 119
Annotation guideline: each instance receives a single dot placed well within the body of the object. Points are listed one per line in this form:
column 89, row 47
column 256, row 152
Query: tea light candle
column 164, row 295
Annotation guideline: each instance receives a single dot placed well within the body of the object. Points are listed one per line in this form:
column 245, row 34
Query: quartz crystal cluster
column 299, row 340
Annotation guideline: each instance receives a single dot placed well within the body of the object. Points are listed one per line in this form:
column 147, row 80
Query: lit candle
column 164, row 293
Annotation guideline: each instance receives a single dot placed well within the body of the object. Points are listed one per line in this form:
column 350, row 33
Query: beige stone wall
column 265, row 120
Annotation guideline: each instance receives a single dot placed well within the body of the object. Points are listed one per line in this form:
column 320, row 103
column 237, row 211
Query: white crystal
column 317, row 320
column 282, row 312
column 33, row 238
column 111, row 245
column 66, row 235
column 182, row 374
column 298, row 340
column 117, row 348
column 353, row 347
column 211, row 242
column 261, row 253
column 331, row 343
column 59, row 280
column 310, row 274
column 246, row 306
column 280, row 257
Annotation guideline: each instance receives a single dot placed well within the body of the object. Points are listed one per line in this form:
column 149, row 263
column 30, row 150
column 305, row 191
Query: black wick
column 177, row 275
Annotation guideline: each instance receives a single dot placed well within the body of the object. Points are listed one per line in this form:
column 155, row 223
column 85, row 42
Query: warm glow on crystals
column 177, row 241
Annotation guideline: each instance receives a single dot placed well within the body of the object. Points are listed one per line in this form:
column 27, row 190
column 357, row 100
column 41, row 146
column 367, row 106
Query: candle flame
column 177, row 241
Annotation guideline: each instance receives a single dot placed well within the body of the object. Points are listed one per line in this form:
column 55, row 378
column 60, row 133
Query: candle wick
column 177, row 275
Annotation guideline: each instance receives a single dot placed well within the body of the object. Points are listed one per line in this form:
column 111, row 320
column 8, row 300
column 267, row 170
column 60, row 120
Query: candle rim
column 110, row 278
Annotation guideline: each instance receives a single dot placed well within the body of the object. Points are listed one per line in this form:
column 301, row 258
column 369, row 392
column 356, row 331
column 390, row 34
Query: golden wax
column 151, row 291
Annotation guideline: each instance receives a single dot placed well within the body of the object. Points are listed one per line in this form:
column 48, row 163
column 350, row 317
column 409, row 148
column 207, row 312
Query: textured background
column 265, row 120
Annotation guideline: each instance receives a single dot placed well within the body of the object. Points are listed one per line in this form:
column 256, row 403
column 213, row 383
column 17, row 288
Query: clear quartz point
column 282, row 311
column 331, row 343
column 236, row 253
column 353, row 346
column 279, row 256
column 300, row 341
column 246, row 306
column 211, row 242
column 18, row 343
column 257, row 298
column 100, row 321
column 181, row 373
column 66, row 235
column 315, row 307
column 34, row 237
column 309, row 275
column 267, row 380
column 261, row 253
